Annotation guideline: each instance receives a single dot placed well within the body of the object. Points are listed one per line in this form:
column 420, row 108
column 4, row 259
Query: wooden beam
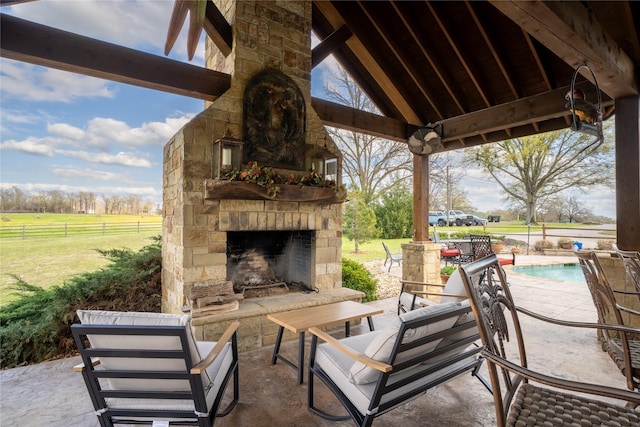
column 569, row 31
column 218, row 29
column 41, row 45
column 628, row 173
column 324, row 49
column 349, row 118
column 420, row 198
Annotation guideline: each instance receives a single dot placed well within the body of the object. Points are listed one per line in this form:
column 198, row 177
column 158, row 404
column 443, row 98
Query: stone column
column 421, row 262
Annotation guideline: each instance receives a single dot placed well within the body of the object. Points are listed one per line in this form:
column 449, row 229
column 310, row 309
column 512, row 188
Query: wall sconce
column 325, row 163
column 227, row 156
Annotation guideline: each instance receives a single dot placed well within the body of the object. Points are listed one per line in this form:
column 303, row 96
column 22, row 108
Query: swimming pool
column 569, row 272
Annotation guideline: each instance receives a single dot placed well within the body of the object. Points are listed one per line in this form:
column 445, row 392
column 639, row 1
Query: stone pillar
column 620, row 281
column 421, row 262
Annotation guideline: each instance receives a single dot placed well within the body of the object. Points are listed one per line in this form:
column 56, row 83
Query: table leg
column 370, row 320
column 276, row 349
column 301, row 358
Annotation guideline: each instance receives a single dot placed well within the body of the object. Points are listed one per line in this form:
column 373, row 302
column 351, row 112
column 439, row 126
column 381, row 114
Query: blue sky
column 63, row 131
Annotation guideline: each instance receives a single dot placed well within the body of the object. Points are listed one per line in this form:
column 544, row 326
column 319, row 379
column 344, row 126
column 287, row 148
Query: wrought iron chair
column 481, row 247
column 631, row 262
column 391, row 257
column 373, row 373
column 146, row 367
column 523, row 396
column 623, row 348
column 449, row 251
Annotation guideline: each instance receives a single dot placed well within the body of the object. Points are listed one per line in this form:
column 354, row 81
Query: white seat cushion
column 454, row 286
column 383, row 342
column 97, row 317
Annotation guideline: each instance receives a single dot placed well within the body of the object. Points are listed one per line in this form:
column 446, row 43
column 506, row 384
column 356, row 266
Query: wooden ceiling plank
column 218, row 29
column 491, row 45
column 538, row 60
column 460, row 56
column 568, row 30
column 399, row 58
column 363, row 55
column 437, row 69
column 41, row 45
column 328, row 45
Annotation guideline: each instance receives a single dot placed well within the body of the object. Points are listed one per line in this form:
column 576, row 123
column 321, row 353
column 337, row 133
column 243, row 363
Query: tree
column 394, row 213
column 369, row 164
column 533, row 168
column 359, row 220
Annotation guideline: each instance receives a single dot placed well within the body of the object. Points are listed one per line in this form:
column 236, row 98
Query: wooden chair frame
column 202, row 416
column 515, row 386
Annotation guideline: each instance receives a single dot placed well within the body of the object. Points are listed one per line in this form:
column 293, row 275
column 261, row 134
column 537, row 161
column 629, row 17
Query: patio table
column 300, row 320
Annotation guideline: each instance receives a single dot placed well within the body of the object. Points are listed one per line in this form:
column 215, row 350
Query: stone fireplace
column 209, row 235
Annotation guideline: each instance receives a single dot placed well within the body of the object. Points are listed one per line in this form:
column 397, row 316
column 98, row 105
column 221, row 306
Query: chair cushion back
column 454, row 286
column 141, row 342
column 382, row 346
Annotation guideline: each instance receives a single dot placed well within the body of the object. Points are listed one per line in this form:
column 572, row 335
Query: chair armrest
column 79, row 368
column 627, row 309
column 215, row 351
column 366, row 360
column 411, row 282
column 582, row 387
column 619, row 328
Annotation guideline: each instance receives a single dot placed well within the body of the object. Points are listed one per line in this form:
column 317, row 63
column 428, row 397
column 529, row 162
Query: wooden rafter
column 492, row 48
column 434, row 64
column 329, row 44
column 218, row 29
column 401, row 60
column 460, row 55
column 383, row 80
column 41, row 45
column 568, row 30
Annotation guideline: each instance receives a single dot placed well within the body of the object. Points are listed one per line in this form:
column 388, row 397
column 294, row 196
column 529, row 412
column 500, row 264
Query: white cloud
column 29, row 82
column 121, row 158
column 86, row 173
column 30, row 145
column 65, row 131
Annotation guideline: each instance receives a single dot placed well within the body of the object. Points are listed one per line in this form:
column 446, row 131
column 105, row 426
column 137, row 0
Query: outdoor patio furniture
column 449, row 251
column 391, row 257
column 413, row 294
column 141, row 367
column 623, row 348
column 373, row 373
column 481, row 247
column 631, row 262
column 522, row 395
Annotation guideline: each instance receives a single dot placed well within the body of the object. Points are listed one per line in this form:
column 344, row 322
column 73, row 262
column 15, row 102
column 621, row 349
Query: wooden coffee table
column 299, row 321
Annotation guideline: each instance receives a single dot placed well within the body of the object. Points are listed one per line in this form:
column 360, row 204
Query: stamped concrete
column 50, row 394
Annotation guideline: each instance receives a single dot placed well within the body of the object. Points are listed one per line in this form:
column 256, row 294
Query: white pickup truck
column 459, row 218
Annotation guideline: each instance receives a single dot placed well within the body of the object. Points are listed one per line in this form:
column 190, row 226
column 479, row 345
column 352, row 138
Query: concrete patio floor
column 50, row 394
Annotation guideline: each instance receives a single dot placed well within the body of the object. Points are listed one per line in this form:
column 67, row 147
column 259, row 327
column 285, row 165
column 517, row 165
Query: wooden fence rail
column 65, row 230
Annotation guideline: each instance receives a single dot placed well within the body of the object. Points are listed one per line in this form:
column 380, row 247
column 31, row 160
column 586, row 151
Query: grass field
column 50, row 261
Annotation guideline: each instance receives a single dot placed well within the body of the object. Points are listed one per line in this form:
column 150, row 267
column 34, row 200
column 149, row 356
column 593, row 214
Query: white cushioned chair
column 373, row 373
column 145, row 367
column 412, row 293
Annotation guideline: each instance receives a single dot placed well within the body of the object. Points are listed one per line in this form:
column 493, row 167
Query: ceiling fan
column 426, row 139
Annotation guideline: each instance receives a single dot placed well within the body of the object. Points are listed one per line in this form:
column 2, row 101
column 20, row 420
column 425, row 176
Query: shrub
column 541, row 245
column 605, row 244
column 36, row 326
column 448, row 269
column 356, row 276
column 564, row 241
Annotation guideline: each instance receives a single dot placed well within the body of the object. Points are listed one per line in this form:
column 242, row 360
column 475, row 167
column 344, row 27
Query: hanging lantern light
column 227, row 155
column 586, row 116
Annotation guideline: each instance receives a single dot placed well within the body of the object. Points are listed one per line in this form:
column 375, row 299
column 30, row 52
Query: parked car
column 479, row 221
column 460, row 218
column 437, row 218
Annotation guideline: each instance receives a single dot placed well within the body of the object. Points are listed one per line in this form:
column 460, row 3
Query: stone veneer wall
column 619, row 280
column 267, row 34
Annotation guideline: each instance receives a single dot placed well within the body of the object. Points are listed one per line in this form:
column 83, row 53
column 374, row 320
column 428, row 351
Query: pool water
column 569, row 272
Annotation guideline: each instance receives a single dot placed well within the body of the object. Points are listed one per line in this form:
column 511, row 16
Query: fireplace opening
column 263, row 263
